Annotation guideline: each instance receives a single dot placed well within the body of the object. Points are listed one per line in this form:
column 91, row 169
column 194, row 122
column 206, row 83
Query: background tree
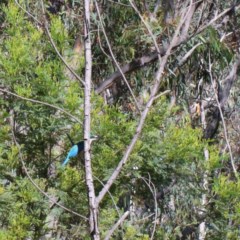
column 164, row 93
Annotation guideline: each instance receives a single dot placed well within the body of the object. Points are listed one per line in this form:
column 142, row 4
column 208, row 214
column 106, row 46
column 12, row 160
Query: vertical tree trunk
column 202, row 226
column 93, row 210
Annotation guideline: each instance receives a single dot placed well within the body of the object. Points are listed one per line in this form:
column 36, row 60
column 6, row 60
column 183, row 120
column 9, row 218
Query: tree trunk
column 93, row 209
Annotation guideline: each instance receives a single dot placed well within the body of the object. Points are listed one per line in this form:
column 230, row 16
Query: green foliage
column 30, row 70
column 168, row 158
column 69, row 179
column 74, row 98
column 217, row 49
column 106, row 121
column 58, row 32
column 226, row 201
column 132, row 233
column 107, row 218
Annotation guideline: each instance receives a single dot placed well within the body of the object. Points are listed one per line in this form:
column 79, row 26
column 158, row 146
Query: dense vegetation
column 180, row 180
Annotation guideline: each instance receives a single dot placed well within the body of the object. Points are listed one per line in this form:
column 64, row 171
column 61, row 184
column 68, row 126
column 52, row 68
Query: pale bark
column 202, row 225
column 93, row 209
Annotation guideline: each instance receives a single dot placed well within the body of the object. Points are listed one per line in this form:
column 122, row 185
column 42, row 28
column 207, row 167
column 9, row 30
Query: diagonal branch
column 51, row 199
column 127, row 68
column 28, row 13
column 116, row 225
column 114, row 59
column 50, row 38
column 55, row 47
column 222, row 117
column 42, row 103
column 143, row 117
column 146, row 59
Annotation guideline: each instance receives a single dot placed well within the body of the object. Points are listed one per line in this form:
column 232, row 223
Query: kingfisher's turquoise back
column 72, row 153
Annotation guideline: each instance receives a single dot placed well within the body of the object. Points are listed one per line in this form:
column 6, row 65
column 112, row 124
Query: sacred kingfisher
column 77, row 148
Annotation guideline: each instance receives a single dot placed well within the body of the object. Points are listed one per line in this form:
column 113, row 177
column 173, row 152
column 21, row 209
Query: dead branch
column 116, row 225
column 228, row 82
column 149, row 58
column 222, row 117
column 42, row 103
column 114, row 59
column 127, row 68
column 141, row 122
column 51, row 199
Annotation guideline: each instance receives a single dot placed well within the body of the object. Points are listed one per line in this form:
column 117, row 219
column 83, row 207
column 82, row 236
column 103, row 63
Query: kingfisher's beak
column 95, row 137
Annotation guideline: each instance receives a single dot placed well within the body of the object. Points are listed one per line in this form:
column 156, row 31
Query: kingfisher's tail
column 65, row 161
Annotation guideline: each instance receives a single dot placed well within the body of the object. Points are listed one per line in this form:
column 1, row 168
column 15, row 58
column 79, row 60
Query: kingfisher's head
column 93, row 138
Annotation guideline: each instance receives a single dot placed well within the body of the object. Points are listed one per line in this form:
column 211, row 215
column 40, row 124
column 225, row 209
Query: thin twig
column 144, row 218
column 149, row 30
column 144, row 114
column 55, row 47
column 162, row 94
column 100, row 45
column 223, row 120
column 42, row 103
column 114, row 59
column 28, row 13
column 152, row 188
column 52, row 200
column 50, row 38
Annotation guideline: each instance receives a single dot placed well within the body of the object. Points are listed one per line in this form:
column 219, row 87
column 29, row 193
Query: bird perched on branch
column 77, row 148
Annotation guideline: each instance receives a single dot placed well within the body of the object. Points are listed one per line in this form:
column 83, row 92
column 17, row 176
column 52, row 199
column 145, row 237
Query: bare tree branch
column 42, row 103
column 188, row 54
column 228, row 82
column 222, row 117
column 116, row 225
column 114, row 59
column 202, row 225
column 141, row 122
column 93, row 208
column 127, row 68
column 50, row 38
column 225, row 12
column 51, row 199
column 156, row 7
column 162, row 94
column 146, row 59
column 187, row 22
column 55, row 47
